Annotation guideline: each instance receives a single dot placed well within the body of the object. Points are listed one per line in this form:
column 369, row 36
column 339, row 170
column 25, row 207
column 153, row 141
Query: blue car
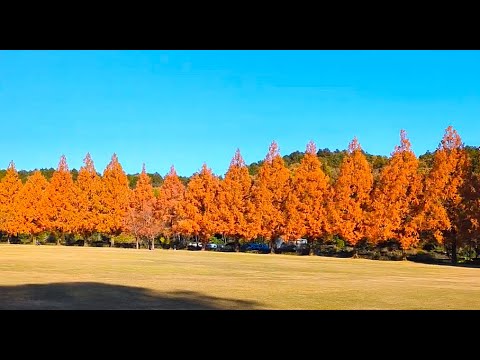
column 255, row 248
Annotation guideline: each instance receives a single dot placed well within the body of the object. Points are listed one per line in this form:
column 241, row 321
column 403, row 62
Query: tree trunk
column 454, row 251
column 153, row 243
column 8, row 239
column 58, row 239
column 136, row 239
column 404, row 255
column 112, row 241
column 85, row 240
column 33, row 239
column 310, row 249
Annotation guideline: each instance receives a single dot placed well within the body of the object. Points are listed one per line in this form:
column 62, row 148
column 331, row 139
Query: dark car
column 286, row 248
column 228, row 247
column 290, row 248
column 255, row 248
column 303, row 249
column 211, row 247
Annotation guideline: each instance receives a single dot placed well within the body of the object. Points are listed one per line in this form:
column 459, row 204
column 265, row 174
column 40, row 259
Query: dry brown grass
column 51, row 277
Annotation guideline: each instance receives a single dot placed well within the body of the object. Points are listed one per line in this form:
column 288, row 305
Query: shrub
column 396, row 255
column 429, row 246
column 124, row 241
column 215, row 240
column 421, row 256
column 339, row 243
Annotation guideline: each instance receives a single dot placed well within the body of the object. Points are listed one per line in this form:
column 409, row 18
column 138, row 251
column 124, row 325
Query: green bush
column 339, row 243
column 164, row 241
column 215, row 240
column 467, row 253
column 124, row 239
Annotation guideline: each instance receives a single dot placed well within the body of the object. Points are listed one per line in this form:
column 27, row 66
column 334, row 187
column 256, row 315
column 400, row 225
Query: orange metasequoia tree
column 200, row 212
column 352, row 195
column 235, row 207
column 396, row 198
column 60, row 201
column 442, row 197
column 31, row 206
column 89, row 193
column 140, row 218
column 270, row 193
column 309, row 199
column 169, row 201
column 469, row 217
column 114, row 200
column 10, row 187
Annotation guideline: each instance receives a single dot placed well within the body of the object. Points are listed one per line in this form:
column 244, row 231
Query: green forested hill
column 331, row 161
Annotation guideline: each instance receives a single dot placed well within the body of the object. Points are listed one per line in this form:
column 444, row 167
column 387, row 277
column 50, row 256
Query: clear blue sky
column 189, row 107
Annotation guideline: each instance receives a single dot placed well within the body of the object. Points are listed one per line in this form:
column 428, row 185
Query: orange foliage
column 270, row 193
column 396, row 198
column 199, row 212
column 169, row 202
column 140, row 218
column 308, row 201
column 469, row 216
column 445, row 204
column 10, row 187
column 60, row 201
column 114, row 199
column 442, row 191
column 352, row 195
column 295, row 225
column 236, row 209
column 89, row 192
column 30, row 205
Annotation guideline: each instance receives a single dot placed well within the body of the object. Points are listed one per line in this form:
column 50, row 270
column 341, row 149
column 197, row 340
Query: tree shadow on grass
column 99, row 296
column 442, row 262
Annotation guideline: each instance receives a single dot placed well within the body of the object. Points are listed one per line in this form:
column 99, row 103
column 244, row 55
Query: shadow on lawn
column 443, row 262
column 99, row 296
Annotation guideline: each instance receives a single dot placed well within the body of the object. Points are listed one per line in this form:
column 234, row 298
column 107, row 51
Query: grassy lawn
column 51, row 277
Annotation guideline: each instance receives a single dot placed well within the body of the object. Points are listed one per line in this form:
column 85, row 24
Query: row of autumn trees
column 403, row 204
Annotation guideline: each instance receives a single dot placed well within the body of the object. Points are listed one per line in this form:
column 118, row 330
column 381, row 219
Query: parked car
column 259, row 248
column 194, row 246
column 303, row 249
column 211, row 247
column 290, row 248
column 228, row 247
column 286, row 248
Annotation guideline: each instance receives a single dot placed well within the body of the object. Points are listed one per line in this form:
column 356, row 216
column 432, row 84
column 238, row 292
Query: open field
column 50, row 277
